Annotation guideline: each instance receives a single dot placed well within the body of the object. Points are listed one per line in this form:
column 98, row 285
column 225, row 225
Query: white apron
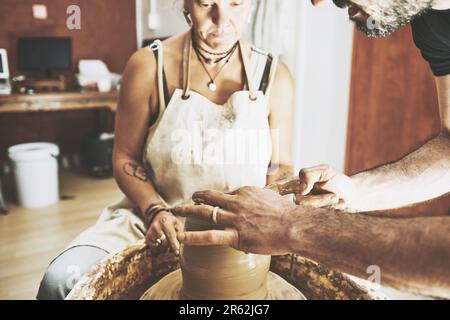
column 196, row 145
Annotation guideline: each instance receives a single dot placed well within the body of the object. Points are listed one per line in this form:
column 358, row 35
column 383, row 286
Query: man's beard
column 387, row 16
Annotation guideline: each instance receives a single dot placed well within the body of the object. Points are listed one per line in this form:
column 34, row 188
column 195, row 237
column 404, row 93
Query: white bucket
column 35, row 170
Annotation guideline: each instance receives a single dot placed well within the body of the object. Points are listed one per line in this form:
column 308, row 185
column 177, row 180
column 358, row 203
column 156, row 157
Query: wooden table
column 40, row 105
column 17, row 109
column 58, row 101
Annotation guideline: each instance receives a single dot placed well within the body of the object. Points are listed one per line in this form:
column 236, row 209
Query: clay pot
column 221, row 273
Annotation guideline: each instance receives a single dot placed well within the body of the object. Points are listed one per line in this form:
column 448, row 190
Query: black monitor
column 44, row 54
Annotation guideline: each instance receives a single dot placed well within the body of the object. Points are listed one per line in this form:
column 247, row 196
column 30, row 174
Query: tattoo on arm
column 136, row 171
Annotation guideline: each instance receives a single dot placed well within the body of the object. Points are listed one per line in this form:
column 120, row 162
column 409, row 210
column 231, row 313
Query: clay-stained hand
column 322, row 187
column 255, row 220
column 165, row 225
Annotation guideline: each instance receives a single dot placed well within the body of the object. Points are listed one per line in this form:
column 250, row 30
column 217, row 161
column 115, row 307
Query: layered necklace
column 217, row 58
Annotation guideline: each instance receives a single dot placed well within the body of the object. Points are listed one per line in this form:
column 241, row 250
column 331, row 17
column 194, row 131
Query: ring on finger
column 214, row 214
column 158, row 242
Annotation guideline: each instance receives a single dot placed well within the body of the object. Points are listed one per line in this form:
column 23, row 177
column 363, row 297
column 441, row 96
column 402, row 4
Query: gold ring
column 214, row 214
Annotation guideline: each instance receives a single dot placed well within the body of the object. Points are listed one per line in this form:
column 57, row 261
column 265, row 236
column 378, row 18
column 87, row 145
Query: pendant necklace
column 203, row 60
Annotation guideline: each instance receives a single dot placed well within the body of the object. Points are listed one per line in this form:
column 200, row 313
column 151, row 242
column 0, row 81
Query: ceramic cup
column 104, row 85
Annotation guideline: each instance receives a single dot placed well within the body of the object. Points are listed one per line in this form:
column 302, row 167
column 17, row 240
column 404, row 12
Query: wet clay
column 169, row 288
column 221, row 273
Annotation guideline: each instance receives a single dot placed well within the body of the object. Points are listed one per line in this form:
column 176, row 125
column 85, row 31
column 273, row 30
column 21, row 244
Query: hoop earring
column 187, row 16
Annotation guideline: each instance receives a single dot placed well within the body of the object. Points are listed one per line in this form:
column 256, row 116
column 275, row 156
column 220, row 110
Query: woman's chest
column 198, row 131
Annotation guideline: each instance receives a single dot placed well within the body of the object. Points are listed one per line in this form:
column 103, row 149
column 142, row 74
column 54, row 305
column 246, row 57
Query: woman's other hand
column 164, row 226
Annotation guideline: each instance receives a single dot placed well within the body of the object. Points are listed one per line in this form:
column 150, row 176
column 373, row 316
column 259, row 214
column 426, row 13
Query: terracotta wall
column 108, row 28
column 393, row 104
column 108, row 32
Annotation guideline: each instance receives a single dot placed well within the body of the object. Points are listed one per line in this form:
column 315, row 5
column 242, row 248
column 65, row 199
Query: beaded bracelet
column 152, row 211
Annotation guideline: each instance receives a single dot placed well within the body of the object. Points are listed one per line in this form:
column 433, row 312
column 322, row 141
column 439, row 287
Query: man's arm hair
column 413, row 254
column 420, row 176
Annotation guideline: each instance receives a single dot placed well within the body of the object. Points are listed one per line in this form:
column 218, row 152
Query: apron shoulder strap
column 163, row 97
column 163, row 90
column 264, row 67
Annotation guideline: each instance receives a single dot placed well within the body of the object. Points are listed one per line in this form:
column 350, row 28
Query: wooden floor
column 30, row 238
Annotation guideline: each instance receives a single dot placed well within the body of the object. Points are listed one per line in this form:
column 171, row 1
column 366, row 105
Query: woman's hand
column 164, row 226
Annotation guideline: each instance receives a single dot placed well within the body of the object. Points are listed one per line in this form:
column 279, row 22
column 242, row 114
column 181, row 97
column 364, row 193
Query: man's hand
column 256, row 220
column 322, row 186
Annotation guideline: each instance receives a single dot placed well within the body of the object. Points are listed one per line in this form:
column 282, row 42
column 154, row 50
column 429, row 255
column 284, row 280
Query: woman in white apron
column 201, row 111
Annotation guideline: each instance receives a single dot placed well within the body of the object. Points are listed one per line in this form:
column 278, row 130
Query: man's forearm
column 413, row 254
column 420, row 176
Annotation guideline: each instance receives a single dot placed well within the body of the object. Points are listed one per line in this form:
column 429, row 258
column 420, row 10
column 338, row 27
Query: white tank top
column 196, row 144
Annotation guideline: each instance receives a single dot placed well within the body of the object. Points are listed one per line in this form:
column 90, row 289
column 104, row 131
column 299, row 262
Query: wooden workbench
column 63, row 118
column 58, row 101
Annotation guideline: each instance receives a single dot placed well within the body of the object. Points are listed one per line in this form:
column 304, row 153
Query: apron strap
column 187, row 54
column 271, row 75
column 244, row 56
column 157, row 46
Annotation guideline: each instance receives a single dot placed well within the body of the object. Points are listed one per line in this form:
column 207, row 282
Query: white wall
column 322, row 70
column 170, row 18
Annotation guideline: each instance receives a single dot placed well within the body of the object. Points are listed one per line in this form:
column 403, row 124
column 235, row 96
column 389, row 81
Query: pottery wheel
column 169, row 288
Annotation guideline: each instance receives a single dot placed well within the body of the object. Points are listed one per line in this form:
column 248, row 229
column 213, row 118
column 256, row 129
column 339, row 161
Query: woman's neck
column 209, row 53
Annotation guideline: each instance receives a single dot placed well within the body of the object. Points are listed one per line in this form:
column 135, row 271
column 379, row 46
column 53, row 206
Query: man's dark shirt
column 431, row 33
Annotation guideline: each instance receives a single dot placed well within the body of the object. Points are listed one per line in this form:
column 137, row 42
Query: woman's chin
column 221, row 43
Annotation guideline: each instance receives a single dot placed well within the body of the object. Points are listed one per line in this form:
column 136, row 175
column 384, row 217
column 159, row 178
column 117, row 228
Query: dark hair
column 341, row 3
